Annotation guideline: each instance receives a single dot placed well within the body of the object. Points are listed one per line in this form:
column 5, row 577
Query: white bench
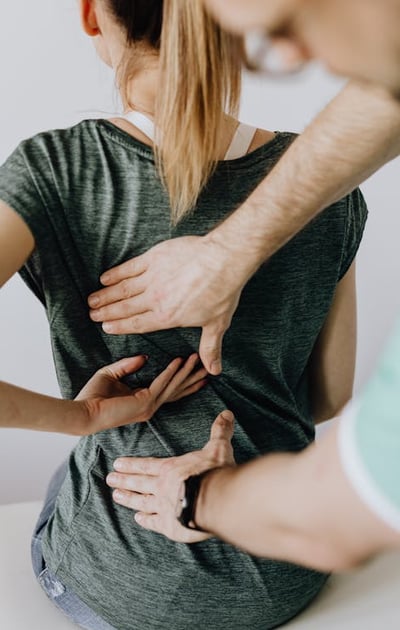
column 366, row 600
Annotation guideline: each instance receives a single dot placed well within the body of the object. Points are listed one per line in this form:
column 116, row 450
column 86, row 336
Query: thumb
column 210, row 349
column 119, row 369
column 223, row 426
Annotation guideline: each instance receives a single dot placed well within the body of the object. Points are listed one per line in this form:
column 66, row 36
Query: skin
column 357, row 38
column 104, row 402
column 197, row 281
column 282, row 506
column 161, row 289
column 271, row 520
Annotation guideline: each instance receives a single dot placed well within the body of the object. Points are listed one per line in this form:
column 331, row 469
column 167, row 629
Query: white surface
column 51, row 77
column 364, row 600
column 23, row 604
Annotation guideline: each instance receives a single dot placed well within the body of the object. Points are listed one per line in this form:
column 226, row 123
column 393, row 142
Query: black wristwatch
column 189, row 501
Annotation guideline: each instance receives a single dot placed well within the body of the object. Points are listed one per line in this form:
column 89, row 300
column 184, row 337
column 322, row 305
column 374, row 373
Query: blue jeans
column 60, row 595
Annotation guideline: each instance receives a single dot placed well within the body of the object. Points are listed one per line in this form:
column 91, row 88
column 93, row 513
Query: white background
column 50, row 77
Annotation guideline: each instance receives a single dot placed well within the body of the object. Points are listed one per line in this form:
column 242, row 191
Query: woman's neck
column 141, row 92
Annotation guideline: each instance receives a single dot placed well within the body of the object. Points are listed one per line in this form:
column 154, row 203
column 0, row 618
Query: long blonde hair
column 200, row 82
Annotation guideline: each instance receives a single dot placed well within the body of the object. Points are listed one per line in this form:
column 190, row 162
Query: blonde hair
column 200, row 82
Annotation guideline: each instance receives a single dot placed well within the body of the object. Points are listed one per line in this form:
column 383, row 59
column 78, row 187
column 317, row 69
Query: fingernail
column 95, row 315
column 145, row 357
column 227, row 415
column 118, row 465
column 118, row 495
column 111, row 479
column 108, row 328
column 94, row 301
column 138, row 517
column 105, row 278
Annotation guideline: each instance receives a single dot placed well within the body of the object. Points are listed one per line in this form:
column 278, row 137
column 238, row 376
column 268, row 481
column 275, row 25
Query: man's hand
column 110, row 403
column 188, row 281
column 155, row 487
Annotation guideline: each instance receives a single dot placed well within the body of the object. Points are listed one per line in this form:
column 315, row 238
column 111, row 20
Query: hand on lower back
column 183, row 282
column 154, row 488
column 109, row 403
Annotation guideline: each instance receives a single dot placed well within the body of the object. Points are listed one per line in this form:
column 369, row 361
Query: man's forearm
column 22, row 409
column 354, row 136
column 295, row 507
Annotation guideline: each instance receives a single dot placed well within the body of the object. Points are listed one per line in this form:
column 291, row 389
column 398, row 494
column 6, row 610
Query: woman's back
column 84, row 225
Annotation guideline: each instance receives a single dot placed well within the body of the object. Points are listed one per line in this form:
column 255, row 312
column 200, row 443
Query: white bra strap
column 241, row 142
column 239, row 146
column 142, row 122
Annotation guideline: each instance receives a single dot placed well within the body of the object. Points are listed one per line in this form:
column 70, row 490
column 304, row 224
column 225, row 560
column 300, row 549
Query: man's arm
column 197, row 281
column 298, row 507
column 295, row 507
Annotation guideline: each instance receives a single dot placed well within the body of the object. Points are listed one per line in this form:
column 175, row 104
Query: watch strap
column 189, row 502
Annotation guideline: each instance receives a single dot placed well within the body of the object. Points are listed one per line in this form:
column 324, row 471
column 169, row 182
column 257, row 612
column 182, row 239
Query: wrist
column 231, row 255
column 80, row 418
column 211, row 488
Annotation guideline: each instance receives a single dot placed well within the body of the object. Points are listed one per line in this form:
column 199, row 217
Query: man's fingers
column 223, row 426
column 139, row 465
column 151, row 522
column 138, row 324
column 129, row 269
column 141, row 484
column 141, row 502
column 210, row 349
column 122, row 290
column 121, row 310
column 154, row 523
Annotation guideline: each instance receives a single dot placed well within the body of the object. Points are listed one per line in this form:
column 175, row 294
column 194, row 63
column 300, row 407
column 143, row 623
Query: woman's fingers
column 178, row 380
column 188, row 391
column 162, row 381
column 194, row 377
column 122, row 368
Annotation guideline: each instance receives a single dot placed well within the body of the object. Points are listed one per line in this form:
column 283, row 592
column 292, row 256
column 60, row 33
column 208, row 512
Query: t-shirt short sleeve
column 20, row 192
column 357, row 214
column 370, row 438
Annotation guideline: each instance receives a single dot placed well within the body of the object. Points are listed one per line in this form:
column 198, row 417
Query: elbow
column 330, row 408
column 334, row 557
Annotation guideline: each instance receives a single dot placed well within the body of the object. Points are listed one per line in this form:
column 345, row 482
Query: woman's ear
column 89, row 18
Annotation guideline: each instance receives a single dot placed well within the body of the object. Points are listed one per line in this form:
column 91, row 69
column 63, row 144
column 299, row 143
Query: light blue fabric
column 377, row 428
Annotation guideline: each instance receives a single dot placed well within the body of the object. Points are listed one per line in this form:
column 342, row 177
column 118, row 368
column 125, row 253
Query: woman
column 95, row 195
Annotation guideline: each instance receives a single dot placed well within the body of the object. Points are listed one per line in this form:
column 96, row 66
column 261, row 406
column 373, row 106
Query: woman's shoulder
column 50, row 139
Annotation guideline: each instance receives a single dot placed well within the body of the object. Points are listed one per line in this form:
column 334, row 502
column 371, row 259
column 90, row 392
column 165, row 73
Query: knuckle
column 125, row 289
column 134, row 323
column 166, row 318
column 146, row 502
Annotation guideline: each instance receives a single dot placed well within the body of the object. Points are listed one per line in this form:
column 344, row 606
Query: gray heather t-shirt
column 92, row 198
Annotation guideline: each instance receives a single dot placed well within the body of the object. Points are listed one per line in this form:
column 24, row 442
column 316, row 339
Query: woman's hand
column 187, row 281
column 109, row 403
column 155, row 487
